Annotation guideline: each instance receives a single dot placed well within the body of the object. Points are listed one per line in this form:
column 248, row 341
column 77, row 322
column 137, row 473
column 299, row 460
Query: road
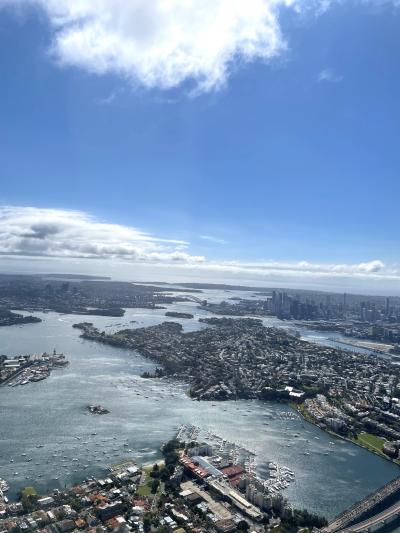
column 377, row 519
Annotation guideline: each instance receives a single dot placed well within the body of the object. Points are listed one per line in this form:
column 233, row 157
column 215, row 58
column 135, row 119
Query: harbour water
column 48, row 439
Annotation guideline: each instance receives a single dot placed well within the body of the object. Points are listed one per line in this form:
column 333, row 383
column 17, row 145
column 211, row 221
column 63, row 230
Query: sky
column 250, row 141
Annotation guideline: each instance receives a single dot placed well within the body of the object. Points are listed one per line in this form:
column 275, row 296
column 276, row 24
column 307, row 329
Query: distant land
column 73, row 276
column 264, row 291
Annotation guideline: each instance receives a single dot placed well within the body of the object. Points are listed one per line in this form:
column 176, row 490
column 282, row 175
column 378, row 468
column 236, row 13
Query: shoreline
column 346, row 439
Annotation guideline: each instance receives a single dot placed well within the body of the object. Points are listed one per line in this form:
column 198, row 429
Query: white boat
column 4, row 485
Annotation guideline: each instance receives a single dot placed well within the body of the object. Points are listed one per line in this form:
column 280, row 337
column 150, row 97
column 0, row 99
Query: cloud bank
column 34, row 233
column 30, row 231
column 162, row 44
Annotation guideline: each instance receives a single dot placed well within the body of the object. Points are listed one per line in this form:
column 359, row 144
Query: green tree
column 154, row 485
column 147, row 522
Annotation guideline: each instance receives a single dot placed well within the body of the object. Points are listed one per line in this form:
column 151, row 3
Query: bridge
column 352, row 519
column 379, row 520
column 195, row 299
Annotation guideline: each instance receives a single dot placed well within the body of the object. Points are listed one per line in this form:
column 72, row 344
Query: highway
column 377, row 519
column 342, row 522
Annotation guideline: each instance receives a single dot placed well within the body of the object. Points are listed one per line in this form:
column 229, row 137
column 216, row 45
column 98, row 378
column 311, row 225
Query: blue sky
column 290, row 156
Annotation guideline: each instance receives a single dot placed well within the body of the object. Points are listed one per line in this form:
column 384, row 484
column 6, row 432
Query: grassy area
column 144, row 490
column 372, row 442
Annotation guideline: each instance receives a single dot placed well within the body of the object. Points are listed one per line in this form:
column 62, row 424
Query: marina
column 224, row 453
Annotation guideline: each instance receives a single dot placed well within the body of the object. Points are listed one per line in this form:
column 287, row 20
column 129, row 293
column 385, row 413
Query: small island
column 82, row 325
column 97, row 410
column 175, row 314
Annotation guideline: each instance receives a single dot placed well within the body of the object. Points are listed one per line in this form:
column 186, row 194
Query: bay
column 48, row 420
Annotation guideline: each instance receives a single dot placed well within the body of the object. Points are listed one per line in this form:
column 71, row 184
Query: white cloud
column 210, row 238
column 374, row 269
column 29, row 231
column 164, row 43
column 330, row 76
column 161, row 44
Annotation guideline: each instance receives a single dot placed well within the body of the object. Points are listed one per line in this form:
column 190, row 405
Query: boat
column 4, row 485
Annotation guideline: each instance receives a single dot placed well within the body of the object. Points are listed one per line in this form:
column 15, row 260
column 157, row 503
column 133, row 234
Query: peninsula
column 349, row 393
column 8, row 318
